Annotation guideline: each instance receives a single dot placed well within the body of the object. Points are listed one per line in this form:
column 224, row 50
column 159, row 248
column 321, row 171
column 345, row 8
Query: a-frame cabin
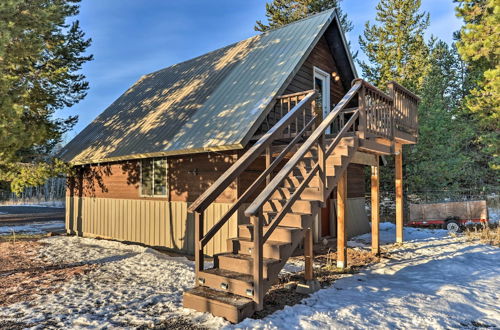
column 243, row 153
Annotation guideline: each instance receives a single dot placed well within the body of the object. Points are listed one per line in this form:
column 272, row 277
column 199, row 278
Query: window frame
column 152, row 160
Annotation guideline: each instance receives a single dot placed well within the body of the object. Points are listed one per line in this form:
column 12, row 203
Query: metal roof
column 212, row 102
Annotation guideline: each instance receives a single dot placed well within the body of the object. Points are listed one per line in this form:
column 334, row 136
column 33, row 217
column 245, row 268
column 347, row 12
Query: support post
column 399, row 192
column 375, row 202
column 308, row 254
column 198, row 249
column 258, row 285
column 341, row 217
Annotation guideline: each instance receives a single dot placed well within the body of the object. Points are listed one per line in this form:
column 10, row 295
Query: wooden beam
column 399, row 193
column 364, row 158
column 341, row 217
column 375, row 201
column 308, row 254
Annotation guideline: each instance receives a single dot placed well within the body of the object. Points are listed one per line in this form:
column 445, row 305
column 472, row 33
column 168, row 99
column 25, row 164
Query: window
column 154, row 177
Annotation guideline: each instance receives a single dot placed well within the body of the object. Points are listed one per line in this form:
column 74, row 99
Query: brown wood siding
column 322, row 58
column 188, row 177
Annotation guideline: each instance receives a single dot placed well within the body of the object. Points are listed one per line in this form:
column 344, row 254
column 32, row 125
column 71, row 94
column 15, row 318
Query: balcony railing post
column 258, row 285
column 362, row 112
column 392, row 111
column 198, row 249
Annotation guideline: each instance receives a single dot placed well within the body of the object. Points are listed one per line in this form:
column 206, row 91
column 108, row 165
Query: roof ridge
column 309, row 16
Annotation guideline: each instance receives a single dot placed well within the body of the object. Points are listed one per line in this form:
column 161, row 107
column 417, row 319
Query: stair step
column 280, row 234
column 232, row 307
column 292, row 219
column 227, row 281
column 308, row 194
column 302, row 172
column 243, row 263
column 303, row 206
column 271, row 249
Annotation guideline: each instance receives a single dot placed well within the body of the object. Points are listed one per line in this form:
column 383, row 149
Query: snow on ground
column 55, row 204
column 432, row 281
column 133, row 286
column 32, row 228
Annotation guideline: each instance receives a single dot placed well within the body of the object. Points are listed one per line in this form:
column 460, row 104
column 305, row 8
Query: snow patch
column 33, row 228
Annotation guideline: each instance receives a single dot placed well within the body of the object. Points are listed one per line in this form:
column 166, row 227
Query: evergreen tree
column 41, row 55
column 444, row 155
column 283, row 12
column 395, row 46
column 479, row 45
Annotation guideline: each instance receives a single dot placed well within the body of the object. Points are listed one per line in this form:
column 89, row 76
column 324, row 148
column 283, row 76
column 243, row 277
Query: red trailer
column 453, row 216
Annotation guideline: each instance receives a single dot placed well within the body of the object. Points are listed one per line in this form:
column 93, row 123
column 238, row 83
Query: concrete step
column 271, row 249
column 232, row 307
column 243, row 263
column 280, row 233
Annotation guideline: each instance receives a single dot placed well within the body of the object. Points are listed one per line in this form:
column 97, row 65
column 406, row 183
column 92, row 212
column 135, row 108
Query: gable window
column 154, row 177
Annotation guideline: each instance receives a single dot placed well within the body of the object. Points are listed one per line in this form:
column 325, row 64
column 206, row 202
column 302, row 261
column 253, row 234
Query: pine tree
column 395, row 46
column 444, row 156
column 283, row 12
column 41, row 55
column 479, row 45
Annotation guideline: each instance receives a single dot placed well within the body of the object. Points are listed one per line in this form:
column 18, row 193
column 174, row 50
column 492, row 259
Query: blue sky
column 132, row 38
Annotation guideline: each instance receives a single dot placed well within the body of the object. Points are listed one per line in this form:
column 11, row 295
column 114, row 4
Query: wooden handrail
column 250, row 190
column 264, row 196
column 253, row 153
column 404, row 89
column 296, row 194
column 286, row 96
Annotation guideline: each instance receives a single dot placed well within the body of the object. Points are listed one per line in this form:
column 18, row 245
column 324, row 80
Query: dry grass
column 486, row 234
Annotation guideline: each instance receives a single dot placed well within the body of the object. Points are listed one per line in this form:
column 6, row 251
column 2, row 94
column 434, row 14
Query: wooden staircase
column 282, row 214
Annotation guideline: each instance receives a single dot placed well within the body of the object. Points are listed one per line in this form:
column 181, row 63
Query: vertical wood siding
column 151, row 222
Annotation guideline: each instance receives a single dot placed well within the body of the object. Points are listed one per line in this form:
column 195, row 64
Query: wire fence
column 51, row 193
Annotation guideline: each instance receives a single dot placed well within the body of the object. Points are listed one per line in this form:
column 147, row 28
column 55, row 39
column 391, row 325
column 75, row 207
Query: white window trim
column 153, row 180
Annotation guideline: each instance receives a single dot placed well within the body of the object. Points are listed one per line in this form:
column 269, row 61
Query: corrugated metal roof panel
column 207, row 103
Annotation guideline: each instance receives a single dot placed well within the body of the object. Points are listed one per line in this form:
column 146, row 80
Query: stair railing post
column 362, row 112
column 198, row 249
column 322, row 167
column 269, row 160
column 258, row 285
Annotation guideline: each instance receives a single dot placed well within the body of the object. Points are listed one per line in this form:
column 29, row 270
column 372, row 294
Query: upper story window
column 154, row 177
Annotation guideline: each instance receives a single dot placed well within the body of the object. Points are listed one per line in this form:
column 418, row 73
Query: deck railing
column 405, row 109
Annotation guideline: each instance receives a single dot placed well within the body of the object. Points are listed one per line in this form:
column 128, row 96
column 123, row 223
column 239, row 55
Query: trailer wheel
column 452, row 226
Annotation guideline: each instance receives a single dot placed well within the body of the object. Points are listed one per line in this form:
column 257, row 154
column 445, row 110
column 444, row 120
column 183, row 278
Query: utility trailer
column 452, row 216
